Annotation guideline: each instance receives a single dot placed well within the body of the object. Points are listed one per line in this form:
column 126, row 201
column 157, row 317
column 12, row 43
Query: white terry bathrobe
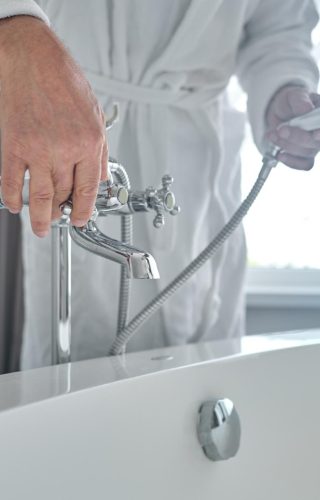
column 167, row 64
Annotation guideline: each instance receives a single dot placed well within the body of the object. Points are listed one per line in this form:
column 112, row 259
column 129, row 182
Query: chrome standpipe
column 61, row 289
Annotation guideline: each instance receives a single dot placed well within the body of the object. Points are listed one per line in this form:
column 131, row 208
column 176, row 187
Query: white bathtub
column 105, row 429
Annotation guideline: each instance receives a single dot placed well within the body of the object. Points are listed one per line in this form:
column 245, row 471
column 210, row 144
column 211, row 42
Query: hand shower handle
column 308, row 122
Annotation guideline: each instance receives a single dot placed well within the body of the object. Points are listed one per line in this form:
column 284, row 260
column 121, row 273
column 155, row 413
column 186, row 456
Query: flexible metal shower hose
column 126, row 333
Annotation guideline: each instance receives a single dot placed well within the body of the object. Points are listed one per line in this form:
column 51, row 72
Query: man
column 167, row 63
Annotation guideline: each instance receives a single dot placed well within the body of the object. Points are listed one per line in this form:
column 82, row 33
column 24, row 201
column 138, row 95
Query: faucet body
column 113, row 198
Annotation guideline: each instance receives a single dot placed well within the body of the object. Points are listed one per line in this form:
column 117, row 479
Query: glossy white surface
column 23, row 388
column 88, row 431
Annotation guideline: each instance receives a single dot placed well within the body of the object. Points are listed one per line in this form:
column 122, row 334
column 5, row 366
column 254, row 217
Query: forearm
column 17, row 17
column 15, row 34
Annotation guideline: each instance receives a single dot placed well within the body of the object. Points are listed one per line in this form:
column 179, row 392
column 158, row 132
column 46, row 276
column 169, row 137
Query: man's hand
column 299, row 147
column 50, row 124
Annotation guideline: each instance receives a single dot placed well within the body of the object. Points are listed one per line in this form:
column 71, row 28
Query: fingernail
column 14, row 212
column 43, row 234
column 79, row 223
column 284, row 132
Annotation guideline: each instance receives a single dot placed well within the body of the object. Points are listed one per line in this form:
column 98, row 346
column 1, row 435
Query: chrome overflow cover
column 219, row 429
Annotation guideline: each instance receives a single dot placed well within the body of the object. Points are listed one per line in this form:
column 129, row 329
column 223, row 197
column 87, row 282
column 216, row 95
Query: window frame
column 283, row 288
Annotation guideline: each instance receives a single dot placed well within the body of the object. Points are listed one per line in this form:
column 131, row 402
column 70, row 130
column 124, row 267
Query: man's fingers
column 296, row 162
column 40, row 200
column 294, row 136
column 63, row 186
column 300, row 101
column 85, row 188
column 299, row 147
column 293, row 148
column 12, row 179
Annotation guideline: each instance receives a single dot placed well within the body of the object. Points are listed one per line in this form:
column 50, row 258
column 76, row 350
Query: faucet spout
column 138, row 263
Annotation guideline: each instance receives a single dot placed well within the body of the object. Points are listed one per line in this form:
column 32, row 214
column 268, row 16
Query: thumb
column 300, row 101
column 104, row 162
column 315, row 98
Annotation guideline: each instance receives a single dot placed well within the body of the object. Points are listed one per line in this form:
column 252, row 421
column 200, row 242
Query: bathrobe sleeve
column 276, row 51
column 9, row 8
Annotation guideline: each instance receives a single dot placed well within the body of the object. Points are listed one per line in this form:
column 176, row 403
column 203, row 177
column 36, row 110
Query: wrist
column 17, row 32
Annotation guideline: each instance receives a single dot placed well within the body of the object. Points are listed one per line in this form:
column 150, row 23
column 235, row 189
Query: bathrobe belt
column 125, row 91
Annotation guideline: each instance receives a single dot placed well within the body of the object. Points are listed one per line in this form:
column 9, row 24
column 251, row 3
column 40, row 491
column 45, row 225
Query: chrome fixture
column 113, row 198
column 160, row 200
column 61, row 289
column 219, row 429
column 138, row 263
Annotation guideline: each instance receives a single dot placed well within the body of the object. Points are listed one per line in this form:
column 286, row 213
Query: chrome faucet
column 138, row 264
column 114, row 198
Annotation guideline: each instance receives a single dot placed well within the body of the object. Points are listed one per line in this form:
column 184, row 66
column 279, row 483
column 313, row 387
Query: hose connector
column 269, row 160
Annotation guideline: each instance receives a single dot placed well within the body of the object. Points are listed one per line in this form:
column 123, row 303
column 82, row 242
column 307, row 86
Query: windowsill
column 283, row 288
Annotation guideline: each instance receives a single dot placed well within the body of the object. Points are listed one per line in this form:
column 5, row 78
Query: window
column 282, row 227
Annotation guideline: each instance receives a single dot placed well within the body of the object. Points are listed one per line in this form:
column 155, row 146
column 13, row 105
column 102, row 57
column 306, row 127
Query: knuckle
column 13, row 140
column 81, row 214
column 96, row 136
column 78, row 145
column 42, row 196
column 24, row 142
column 62, row 190
column 66, row 150
column 32, row 137
column 11, row 196
column 13, row 205
column 10, row 186
column 297, row 137
column 86, row 191
column 305, row 141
